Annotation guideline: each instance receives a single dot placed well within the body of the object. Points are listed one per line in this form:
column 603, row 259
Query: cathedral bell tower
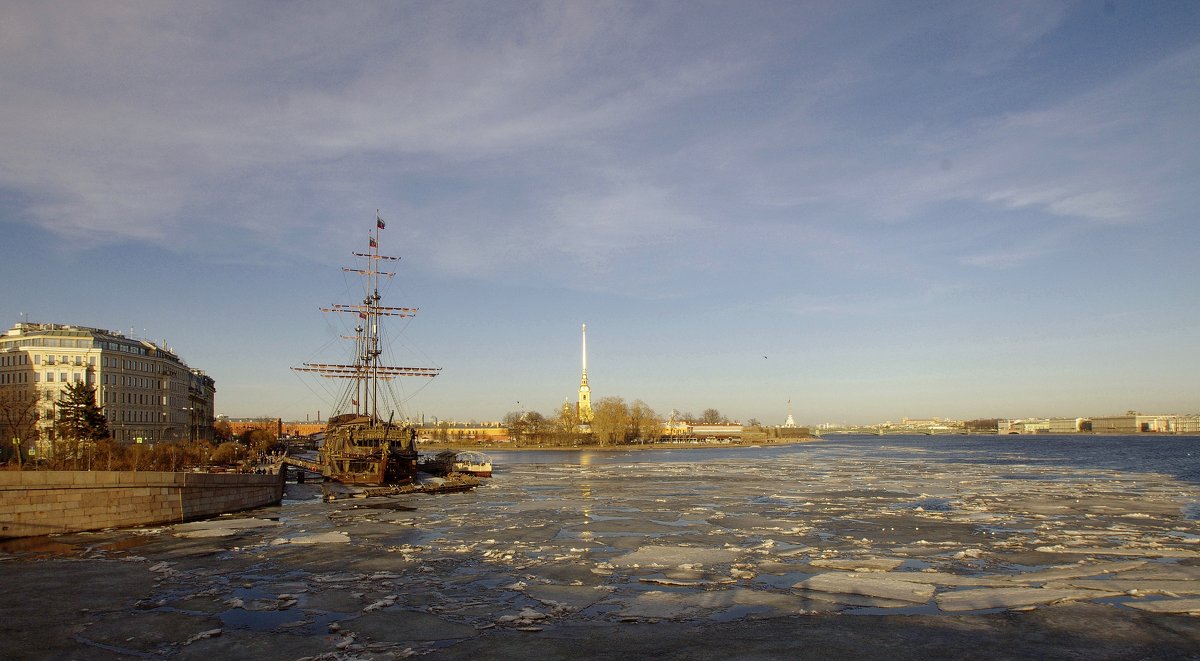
column 584, row 407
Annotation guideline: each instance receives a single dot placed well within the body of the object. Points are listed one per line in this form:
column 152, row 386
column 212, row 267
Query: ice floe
column 1013, row 597
column 221, row 527
column 882, row 586
column 858, row 564
column 674, row 556
column 826, row 529
column 333, row 537
column 1190, row 605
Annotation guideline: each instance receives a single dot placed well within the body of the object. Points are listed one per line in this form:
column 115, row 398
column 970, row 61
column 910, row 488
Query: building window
column 49, row 377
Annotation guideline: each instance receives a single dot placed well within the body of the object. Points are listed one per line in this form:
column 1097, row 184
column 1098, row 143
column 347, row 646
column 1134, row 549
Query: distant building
column 459, row 432
column 1064, row 425
column 674, row 427
column 303, row 428
column 790, row 423
column 147, row 393
column 1040, row 426
column 1187, row 424
column 1133, row 422
column 929, row 425
column 239, row 426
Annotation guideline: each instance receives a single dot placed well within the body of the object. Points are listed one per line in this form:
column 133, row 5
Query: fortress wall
column 46, row 502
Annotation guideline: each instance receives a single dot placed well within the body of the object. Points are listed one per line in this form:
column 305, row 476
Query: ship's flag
column 379, row 222
column 373, row 244
column 362, row 315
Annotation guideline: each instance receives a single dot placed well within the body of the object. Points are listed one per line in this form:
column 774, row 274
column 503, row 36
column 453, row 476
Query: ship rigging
column 360, row 446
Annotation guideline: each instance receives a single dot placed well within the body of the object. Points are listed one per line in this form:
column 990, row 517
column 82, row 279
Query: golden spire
column 585, row 393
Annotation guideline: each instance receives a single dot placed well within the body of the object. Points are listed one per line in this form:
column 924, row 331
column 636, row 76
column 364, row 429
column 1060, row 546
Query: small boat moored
column 447, row 462
column 473, row 463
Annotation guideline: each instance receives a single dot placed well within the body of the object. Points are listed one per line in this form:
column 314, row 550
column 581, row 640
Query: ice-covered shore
column 549, row 548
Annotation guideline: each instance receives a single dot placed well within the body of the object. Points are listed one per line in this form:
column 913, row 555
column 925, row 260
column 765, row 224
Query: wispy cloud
column 588, row 128
column 127, row 119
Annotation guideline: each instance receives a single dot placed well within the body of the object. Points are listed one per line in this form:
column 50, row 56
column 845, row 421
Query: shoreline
column 509, row 447
column 611, row 448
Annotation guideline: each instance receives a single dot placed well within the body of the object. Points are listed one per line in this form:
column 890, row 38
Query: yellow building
column 239, row 426
column 303, row 428
column 147, row 393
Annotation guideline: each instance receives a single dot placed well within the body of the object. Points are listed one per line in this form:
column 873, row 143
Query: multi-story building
column 147, row 393
column 1064, row 425
column 1133, row 422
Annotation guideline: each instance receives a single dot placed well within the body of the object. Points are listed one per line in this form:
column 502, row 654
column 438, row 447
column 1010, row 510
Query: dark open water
column 1177, row 456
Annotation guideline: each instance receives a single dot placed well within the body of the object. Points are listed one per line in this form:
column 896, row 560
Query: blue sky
column 874, row 210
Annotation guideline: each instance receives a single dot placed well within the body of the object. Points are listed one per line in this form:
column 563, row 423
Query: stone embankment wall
column 45, row 502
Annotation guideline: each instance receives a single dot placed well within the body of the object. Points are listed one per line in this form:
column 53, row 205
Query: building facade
column 147, row 393
column 297, row 428
column 1133, row 422
column 239, row 426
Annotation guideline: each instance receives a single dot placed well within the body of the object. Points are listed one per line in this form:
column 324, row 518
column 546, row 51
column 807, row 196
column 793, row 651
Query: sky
column 862, row 211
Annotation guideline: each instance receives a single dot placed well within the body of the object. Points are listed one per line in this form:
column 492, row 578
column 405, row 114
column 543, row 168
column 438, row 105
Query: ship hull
column 369, row 453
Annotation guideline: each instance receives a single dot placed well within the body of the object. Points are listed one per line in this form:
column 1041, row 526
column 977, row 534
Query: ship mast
column 367, row 371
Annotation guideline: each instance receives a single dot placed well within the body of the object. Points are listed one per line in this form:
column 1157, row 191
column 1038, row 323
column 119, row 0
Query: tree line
column 614, row 422
column 81, row 439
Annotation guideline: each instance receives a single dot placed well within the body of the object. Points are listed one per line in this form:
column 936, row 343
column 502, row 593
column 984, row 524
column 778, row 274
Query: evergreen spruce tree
column 79, row 417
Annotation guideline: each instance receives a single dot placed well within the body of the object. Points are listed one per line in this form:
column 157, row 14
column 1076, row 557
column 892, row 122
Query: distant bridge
column 866, row 431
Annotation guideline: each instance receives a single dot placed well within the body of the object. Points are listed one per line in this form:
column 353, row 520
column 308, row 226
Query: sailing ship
column 361, row 447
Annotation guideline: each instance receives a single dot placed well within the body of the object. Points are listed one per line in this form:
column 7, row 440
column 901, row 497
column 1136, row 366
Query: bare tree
column 644, row 423
column 222, row 431
column 711, row 417
column 610, row 424
column 537, row 426
column 260, row 441
column 514, row 421
column 18, row 418
column 228, row 453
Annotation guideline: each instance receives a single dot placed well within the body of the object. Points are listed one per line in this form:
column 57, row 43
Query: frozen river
column 563, row 546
